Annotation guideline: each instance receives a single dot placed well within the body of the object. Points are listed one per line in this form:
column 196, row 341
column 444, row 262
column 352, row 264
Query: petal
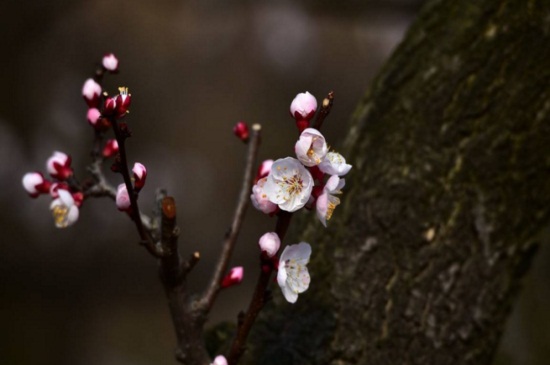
column 66, row 198
column 289, row 294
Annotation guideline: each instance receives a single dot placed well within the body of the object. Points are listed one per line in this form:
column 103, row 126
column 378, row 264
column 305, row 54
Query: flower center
column 60, row 213
column 294, row 184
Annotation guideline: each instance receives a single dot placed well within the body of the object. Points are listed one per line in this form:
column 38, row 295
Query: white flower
column 220, row 360
column 334, row 164
column 270, row 243
column 64, row 209
column 122, row 198
column 311, row 148
column 293, row 277
column 303, row 106
column 259, row 198
column 288, row 184
column 327, row 202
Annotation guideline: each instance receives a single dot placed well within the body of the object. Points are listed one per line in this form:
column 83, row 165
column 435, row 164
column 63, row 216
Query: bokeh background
column 89, row 294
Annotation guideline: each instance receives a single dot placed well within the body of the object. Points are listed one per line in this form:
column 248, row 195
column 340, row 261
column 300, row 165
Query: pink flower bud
column 234, row 277
column 123, row 101
column 140, row 175
column 91, row 92
column 110, row 62
column 264, row 169
column 303, row 106
column 110, row 149
column 93, row 116
column 35, row 184
column 259, row 198
column 59, row 166
column 270, row 243
column 241, row 131
column 109, row 107
column 78, row 198
column 55, row 187
column 122, row 198
column 220, row 360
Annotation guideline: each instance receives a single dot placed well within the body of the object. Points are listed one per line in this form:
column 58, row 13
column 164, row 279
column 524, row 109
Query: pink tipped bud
column 270, row 243
column 59, row 166
column 264, row 169
column 35, row 184
column 234, row 277
column 122, row 198
column 220, row 360
column 123, row 101
column 303, row 106
column 93, row 116
column 78, row 198
column 140, row 175
column 55, row 187
column 110, row 149
column 91, row 92
column 110, row 62
column 241, row 131
column 109, row 107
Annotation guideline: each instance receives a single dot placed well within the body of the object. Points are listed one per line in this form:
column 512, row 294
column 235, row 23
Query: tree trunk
column 440, row 216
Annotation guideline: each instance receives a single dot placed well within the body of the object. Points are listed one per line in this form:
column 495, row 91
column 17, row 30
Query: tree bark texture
column 443, row 210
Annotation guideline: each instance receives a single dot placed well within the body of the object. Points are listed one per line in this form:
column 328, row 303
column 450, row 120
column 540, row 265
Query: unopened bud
column 234, row 277
column 110, row 149
column 91, row 91
column 241, row 131
column 35, row 184
column 122, row 198
column 270, row 243
column 140, row 175
column 93, row 116
column 59, row 166
column 110, row 62
column 303, row 106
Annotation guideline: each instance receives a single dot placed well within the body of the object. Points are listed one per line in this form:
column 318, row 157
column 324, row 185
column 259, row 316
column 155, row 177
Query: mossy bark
column 441, row 213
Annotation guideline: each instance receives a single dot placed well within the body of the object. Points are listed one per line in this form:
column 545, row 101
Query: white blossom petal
column 334, row 164
column 311, row 147
column 289, row 184
column 293, row 276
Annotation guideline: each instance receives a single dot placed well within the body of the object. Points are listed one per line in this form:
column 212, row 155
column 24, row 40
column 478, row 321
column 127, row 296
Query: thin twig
column 145, row 235
column 326, row 106
column 231, row 236
column 259, row 296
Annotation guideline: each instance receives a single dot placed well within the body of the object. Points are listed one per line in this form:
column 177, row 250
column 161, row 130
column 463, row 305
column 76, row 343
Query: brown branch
column 326, row 107
column 259, row 296
column 231, row 236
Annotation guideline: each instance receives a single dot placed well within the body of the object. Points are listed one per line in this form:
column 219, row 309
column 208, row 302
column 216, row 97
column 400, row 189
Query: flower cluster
column 66, row 199
column 312, row 179
column 66, row 191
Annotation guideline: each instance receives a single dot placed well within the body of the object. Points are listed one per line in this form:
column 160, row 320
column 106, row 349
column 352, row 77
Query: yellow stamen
column 60, row 213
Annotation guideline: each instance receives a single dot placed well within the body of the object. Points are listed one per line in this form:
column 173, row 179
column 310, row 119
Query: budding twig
column 231, row 236
column 326, row 106
column 259, row 296
column 144, row 235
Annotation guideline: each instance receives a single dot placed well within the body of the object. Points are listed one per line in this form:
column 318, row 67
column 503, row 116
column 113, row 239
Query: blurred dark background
column 89, row 294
